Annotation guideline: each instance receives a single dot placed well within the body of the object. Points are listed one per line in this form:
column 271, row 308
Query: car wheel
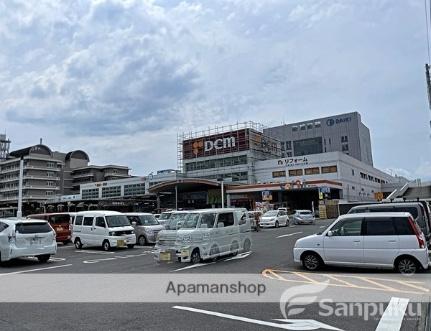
column 287, row 223
column 311, row 261
column 78, row 243
column 43, row 258
column 130, row 246
column 277, row 224
column 196, row 257
column 247, row 245
column 407, row 265
column 142, row 241
column 106, row 246
column 234, row 248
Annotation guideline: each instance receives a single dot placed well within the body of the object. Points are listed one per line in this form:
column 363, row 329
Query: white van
column 102, row 228
column 211, row 233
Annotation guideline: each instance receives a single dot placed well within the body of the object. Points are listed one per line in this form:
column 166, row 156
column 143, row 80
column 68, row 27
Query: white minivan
column 212, row 233
column 102, row 228
column 382, row 240
column 22, row 238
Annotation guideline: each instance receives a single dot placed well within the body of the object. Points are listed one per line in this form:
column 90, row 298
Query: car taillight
column 417, row 232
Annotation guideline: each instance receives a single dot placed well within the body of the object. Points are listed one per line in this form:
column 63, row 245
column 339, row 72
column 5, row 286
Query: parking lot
column 271, row 259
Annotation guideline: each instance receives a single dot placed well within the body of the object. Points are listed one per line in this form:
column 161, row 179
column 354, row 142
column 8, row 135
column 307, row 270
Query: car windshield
column 165, row 216
column 28, row 228
column 191, row 221
column 270, row 213
column 148, row 220
column 174, row 220
column 116, row 221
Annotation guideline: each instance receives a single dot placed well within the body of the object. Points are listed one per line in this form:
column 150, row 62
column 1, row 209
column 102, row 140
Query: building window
column 312, row 171
column 294, row 128
column 278, row 174
column 50, row 164
column 302, row 127
column 309, row 126
column 329, row 170
column 289, row 154
column 295, row 172
column 92, row 193
column 288, row 145
column 344, row 139
column 345, row 147
column 353, row 188
column 353, row 172
column 282, row 145
column 111, row 191
column 308, row 146
column 50, row 183
column 317, row 124
column 134, row 189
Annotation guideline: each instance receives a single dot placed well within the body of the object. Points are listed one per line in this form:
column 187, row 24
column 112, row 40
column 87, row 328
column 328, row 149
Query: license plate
column 120, row 243
column 165, row 256
column 184, row 253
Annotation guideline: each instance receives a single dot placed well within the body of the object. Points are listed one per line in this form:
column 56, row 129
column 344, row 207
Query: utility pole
column 21, row 174
column 427, row 75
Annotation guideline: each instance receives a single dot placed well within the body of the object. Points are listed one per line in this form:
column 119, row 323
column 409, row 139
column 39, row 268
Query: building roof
column 32, row 149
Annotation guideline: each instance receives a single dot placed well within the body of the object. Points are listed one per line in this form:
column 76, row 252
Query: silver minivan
column 146, row 227
column 212, row 233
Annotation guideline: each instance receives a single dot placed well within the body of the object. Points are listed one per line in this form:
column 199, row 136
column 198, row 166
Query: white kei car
column 372, row 240
column 25, row 238
column 274, row 218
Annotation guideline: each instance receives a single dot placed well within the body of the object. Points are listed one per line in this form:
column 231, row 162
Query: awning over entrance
column 284, row 186
column 186, row 185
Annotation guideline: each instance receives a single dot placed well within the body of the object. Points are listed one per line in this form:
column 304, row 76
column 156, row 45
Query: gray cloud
column 125, row 73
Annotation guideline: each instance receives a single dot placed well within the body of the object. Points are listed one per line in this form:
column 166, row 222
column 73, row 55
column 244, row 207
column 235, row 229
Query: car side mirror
column 330, row 234
column 134, row 223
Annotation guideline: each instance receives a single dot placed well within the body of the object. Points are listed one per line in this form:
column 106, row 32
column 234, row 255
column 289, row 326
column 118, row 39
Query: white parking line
column 33, row 270
column 238, row 257
column 289, row 234
column 393, row 316
column 93, row 252
column 197, row 265
column 287, row 325
column 322, row 226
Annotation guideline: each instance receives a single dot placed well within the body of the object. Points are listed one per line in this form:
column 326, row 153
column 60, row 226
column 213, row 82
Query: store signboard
column 266, row 195
column 223, row 143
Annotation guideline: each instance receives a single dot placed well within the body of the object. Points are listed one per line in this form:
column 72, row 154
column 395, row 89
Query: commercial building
column 46, row 174
column 229, row 153
column 343, row 133
column 300, row 182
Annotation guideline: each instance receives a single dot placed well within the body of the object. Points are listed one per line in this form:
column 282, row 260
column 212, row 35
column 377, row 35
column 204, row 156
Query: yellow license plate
column 165, row 256
column 184, row 253
column 121, row 243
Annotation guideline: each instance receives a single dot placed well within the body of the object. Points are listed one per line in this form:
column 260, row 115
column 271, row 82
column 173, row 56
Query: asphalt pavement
column 271, row 259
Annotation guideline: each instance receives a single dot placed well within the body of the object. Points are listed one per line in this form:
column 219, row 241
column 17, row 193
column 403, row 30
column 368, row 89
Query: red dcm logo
column 197, row 145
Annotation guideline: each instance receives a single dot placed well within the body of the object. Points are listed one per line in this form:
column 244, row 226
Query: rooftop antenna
column 40, row 141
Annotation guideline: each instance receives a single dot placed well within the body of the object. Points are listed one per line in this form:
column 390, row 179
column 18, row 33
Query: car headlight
column 111, row 234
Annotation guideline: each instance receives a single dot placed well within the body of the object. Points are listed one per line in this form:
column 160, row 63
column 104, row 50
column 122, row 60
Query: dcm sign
column 220, row 143
column 217, row 144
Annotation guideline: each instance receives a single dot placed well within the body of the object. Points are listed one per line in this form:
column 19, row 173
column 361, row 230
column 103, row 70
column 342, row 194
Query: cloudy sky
column 120, row 79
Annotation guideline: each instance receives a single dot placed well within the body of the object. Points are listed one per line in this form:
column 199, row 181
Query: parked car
column 165, row 242
column 303, row 217
column 23, row 238
column 255, row 217
column 416, row 209
column 60, row 222
column 274, row 218
column 164, row 217
column 382, row 240
column 102, row 228
column 211, row 233
column 146, row 227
